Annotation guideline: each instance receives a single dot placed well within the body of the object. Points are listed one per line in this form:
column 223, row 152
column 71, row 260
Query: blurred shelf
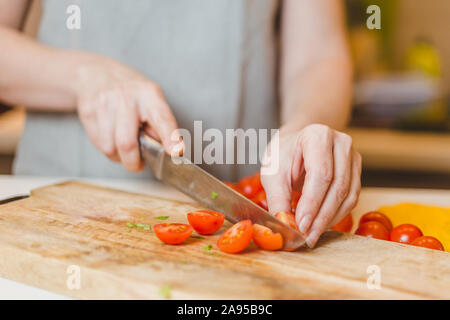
column 11, row 127
column 401, row 150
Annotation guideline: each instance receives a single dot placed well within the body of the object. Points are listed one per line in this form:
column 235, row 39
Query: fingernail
column 304, row 223
column 312, row 239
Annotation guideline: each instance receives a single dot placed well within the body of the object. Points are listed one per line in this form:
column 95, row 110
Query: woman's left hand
column 322, row 164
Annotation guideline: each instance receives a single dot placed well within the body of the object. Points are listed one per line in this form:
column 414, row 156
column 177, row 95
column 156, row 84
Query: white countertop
column 19, row 185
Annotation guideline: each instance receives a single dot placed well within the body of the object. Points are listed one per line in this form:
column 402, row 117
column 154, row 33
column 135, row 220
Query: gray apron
column 216, row 61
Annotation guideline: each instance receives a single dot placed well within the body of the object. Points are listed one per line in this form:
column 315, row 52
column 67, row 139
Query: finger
column 278, row 193
column 156, row 112
column 355, row 188
column 317, row 146
column 339, row 188
column 105, row 112
column 126, row 135
column 88, row 118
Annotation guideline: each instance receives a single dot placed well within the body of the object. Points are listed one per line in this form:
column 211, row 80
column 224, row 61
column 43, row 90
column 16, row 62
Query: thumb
column 278, row 193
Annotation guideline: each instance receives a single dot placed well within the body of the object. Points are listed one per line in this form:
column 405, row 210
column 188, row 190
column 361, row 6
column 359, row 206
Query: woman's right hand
column 113, row 101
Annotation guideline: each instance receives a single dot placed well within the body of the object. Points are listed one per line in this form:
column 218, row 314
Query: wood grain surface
column 84, row 225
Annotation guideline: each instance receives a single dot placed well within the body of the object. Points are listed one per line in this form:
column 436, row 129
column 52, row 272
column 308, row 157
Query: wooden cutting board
column 76, row 224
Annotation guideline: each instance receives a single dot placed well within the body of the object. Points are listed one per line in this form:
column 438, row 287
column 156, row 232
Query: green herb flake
column 208, row 247
column 214, row 195
column 197, row 237
column 162, row 217
column 212, row 253
column 183, row 262
column 143, row 226
column 165, row 291
column 130, row 225
column 128, row 230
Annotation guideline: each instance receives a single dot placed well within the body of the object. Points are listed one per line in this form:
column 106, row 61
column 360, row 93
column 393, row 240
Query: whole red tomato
column 373, row 229
column 405, row 233
column 250, row 186
column 260, row 199
column 345, row 225
column 428, row 242
column 377, row 216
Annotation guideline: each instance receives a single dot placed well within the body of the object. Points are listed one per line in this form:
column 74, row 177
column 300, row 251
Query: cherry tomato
column 373, row 229
column 260, row 199
column 377, row 216
column 428, row 242
column 405, row 233
column 232, row 186
column 266, row 239
column 295, row 197
column 237, row 238
column 172, row 233
column 287, row 218
column 206, row 221
column 250, row 186
column 345, row 225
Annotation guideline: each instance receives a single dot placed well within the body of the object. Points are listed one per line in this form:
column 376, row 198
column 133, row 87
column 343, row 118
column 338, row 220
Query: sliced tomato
column 266, row 239
column 295, row 197
column 260, row 199
column 405, row 233
column 172, row 233
column 206, row 221
column 250, row 186
column 287, row 218
column 428, row 242
column 377, row 216
column 237, row 238
column 373, row 229
column 345, row 225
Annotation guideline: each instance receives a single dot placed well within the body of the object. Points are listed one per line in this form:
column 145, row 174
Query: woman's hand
column 321, row 163
column 113, row 101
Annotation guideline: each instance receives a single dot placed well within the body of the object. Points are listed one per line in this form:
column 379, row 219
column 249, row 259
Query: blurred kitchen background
column 401, row 116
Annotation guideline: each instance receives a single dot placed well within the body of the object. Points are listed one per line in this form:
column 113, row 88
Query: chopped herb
column 162, row 218
column 197, row 237
column 141, row 217
column 165, row 291
column 183, row 262
column 208, row 247
column 130, row 225
column 212, row 253
column 214, row 195
column 143, row 226
column 128, row 230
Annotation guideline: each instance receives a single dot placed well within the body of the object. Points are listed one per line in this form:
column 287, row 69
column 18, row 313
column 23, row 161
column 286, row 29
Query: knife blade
column 198, row 184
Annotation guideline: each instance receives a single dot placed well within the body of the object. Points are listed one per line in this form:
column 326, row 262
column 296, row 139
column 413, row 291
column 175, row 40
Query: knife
column 193, row 181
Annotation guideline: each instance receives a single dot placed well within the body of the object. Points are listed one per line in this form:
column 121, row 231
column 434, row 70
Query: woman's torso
column 214, row 60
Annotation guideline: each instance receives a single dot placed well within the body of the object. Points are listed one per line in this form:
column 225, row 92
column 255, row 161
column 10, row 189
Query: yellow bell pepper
column 433, row 221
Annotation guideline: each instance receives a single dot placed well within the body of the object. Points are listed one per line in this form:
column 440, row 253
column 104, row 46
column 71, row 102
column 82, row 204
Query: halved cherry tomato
column 287, row 218
column 428, row 242
column 373, row 229
column 172, row 233
column 405, row 233
column 345, row 225
column 266, row 239
column 206, row 221
column 260, row 199
column 377, row 216
column 250, row 186
column 237, row 238
column 295, row 197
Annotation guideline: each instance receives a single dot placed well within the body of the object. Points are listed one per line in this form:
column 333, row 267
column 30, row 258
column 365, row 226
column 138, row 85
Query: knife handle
column 152, row 152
